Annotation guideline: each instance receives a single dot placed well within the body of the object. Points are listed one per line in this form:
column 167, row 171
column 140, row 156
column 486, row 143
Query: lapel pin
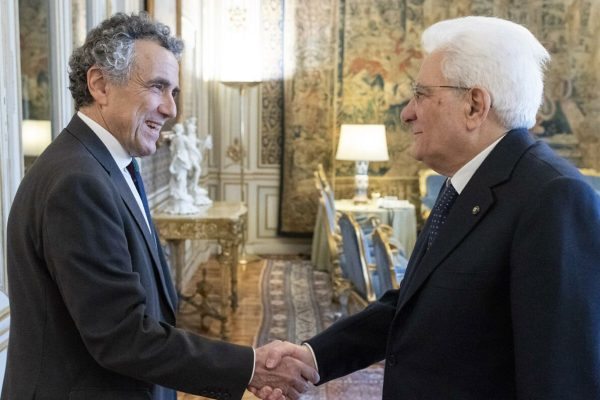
column 475, row 210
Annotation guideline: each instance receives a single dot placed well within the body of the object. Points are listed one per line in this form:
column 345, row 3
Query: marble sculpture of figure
column 196, row 148
column 180, row 202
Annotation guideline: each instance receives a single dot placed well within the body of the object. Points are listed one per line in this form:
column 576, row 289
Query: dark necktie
column 134, row 170
column 440, row 211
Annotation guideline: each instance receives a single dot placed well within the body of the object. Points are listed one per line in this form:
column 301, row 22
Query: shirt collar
column 460, row 179
column 116, row 150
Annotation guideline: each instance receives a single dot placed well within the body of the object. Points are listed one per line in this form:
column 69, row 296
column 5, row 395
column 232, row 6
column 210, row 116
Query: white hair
column 498, row 55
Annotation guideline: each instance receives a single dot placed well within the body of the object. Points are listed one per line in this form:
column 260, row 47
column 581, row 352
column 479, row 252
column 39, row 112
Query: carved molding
column 221, row 229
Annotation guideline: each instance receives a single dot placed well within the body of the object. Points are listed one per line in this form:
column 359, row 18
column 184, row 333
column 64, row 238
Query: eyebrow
column 164, row 82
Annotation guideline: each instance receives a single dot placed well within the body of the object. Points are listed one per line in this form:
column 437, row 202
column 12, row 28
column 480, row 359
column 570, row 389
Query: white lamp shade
column 362, row 143
column 37, row 135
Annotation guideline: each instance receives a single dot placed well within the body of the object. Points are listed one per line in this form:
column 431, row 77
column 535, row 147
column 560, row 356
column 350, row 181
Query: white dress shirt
column 460, row 179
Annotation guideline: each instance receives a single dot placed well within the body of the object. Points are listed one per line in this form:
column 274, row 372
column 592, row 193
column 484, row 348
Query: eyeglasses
column 420, row 91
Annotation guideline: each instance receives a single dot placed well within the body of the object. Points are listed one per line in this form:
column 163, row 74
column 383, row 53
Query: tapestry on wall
column 352, row 61
column 310, row 29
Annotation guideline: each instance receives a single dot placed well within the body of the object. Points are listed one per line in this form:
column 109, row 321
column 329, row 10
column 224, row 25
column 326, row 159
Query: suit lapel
column 95, row 146
column 149, row 238
column 470, row 208
column 459, row 223
column 414, row 260
column 167, row 283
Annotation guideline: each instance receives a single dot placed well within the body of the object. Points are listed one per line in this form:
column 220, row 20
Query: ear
column 477, row 107
column 97, row 85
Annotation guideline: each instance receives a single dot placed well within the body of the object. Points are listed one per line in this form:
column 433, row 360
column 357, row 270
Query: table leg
column 233, row 268
column 177, row 261
column 201, row 302
column 229, row 260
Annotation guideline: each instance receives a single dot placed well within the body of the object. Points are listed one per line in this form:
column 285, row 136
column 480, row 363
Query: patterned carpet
column 297, row 305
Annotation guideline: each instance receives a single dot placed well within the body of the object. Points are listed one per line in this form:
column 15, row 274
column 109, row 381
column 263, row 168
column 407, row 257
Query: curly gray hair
column 110, row 46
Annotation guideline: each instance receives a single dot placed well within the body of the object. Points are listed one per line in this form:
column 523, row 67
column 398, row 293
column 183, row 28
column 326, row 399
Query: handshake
column 282, row 371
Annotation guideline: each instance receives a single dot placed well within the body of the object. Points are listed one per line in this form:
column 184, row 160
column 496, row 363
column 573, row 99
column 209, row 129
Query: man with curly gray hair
column 92, row 303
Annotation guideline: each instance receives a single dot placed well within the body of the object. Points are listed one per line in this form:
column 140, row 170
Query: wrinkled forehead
column 151, row 58
column 150, row 51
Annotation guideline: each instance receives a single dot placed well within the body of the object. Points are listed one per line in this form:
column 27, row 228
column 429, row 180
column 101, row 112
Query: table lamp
column 362, row 143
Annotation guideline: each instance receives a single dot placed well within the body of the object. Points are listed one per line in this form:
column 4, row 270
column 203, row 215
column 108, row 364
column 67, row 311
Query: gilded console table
column 222, row 221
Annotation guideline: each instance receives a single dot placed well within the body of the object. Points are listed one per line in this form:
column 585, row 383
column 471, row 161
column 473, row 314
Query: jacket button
column 391, row 360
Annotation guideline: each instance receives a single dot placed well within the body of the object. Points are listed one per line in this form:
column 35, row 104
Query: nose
column 408, row 113
column 168, row 107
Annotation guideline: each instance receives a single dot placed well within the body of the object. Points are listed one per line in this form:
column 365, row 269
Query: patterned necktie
column 440, row 211
column 134, row 170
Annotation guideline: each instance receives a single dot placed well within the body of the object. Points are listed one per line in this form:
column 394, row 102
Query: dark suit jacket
column 92, row 303
column 505, row 304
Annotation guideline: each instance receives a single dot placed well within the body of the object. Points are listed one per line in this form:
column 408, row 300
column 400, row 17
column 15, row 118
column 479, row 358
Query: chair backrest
column 328, row 210
column 333, row 236
column 430, row 183
column 355, row 259
column 324, row 183
column 384, row 260
column 318, row 182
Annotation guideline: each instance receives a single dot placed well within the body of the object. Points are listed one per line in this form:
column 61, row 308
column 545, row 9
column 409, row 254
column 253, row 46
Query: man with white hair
column 501, row 296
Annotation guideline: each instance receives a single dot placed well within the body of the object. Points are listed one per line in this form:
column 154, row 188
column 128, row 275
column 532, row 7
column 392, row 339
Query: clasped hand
column 282, row 370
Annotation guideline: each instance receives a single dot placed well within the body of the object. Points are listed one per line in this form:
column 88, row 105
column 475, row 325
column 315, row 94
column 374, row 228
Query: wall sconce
column 362, row 143
column 36, row 135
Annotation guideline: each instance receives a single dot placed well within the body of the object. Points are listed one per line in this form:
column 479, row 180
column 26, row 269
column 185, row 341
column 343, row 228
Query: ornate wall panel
column 271, row 132
column 377, row 54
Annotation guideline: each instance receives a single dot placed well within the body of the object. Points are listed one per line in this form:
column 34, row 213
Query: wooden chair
column 323, row 184
column 389, row 260
column 357, row 267
column 340, row 277
column 325, row 193
column 340, row 285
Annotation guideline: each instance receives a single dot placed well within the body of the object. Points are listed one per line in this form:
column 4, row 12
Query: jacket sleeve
column 355, row 342
column 555, row 293
column 87, row 251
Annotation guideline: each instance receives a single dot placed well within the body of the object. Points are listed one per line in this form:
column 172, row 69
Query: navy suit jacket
column 91, row 298
column 505, row 304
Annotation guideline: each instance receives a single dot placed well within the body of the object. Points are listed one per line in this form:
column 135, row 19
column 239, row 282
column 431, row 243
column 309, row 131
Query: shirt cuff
column 313, row 355
column 253, row 365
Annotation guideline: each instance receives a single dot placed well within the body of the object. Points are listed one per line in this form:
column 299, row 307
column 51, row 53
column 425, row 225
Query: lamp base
column 360, row 199
column 361, row 181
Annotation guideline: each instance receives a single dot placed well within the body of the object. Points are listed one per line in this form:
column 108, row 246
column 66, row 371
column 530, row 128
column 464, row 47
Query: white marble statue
column 197, row 147
column 180, row 201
